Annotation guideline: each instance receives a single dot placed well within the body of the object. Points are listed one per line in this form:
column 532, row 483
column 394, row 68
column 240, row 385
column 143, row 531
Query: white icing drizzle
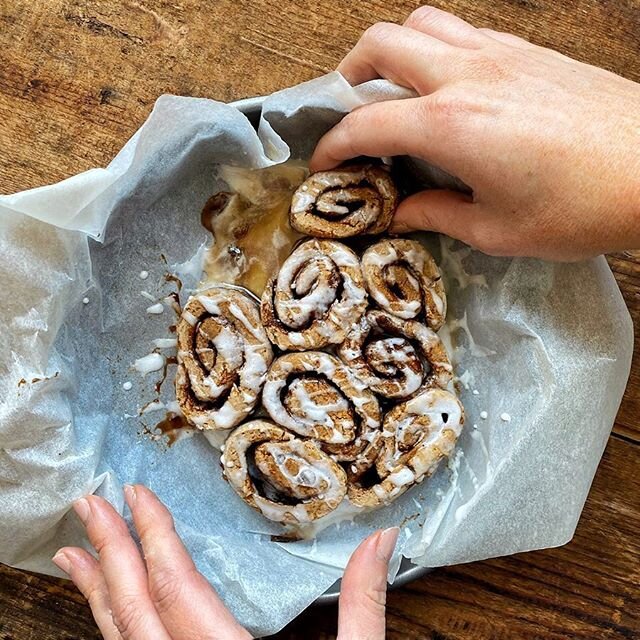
column 314, row 419
column 166, row 343
column 410, row 269
column 302, row 308
column 155, row 309
column 149, row 363
column 228, row 353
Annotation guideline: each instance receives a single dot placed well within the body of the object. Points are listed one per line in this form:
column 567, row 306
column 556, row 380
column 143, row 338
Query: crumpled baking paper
column 544, row 349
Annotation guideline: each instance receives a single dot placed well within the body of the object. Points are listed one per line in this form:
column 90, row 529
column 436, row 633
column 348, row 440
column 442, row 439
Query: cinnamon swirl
column 287, row 479
column 395, row 357
column 417, row 434
column 223, row 357
column 316, row 396
column 403, row 278
column 344, row 202
column 315, row 298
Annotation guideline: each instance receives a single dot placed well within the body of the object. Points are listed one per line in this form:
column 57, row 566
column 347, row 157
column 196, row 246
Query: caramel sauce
column 169, row 360
column 169, row 277
column 174, row 296
column 250, row 226
column 171, row 425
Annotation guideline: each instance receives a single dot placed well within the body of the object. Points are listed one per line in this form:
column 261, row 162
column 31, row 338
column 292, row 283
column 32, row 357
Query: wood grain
column 78, row 77
column 626, row 268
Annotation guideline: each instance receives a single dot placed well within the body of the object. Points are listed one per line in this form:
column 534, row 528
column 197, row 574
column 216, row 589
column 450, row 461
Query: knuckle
column 347, row 129
column 126, row 616
column 162, row 521
column 424, row 17
column 492, row 68
column 444, row 107
column 379, row 32
column 375, row 600
column 95, row 595
column 427, row 219
column 165, row 588
column 101, row 541
column 455, row 110
column 371, row 601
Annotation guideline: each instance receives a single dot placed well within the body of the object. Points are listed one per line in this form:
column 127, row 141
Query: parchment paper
column 545, row 346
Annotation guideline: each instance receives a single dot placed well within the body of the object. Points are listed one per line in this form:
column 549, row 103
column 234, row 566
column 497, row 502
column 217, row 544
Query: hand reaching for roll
column 160, row 594
column 548, row 145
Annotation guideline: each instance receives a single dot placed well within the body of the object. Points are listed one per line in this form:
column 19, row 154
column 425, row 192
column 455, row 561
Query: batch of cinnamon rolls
column 335, row 386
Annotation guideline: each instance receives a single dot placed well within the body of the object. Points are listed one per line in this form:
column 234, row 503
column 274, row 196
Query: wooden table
column 78, row 77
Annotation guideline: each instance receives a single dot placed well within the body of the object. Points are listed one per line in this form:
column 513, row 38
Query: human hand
column 548, row 145
column 164, row 597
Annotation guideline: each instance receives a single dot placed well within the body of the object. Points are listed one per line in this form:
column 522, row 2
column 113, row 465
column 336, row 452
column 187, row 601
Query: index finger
column 391, row 128
column 123, row 569
column 405, row 56
column 187, row 604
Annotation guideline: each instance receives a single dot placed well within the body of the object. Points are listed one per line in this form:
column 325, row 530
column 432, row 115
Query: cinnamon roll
column 315, row 298
column 223, row 357
column 403, row 278
column 314, row 395
column 395, row 357
column 416, row 434
column 287, row 479
column 344, row 202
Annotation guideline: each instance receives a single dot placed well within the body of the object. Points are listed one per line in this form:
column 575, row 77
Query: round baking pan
column 251, row 107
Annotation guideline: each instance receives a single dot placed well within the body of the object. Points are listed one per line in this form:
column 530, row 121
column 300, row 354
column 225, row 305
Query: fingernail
column 130, row 495
column 387, row 543
column 62, row 561
column 82, row 509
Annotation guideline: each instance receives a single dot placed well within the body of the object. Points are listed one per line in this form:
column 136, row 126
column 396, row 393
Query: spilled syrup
column 286, row 537
column 171, row 426
column 175, row 300
column 170, row 277
column 169, row 360
column 250, row 226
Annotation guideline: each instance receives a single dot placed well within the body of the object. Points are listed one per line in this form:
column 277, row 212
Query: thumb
column 449, row 212
column 363, row 593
